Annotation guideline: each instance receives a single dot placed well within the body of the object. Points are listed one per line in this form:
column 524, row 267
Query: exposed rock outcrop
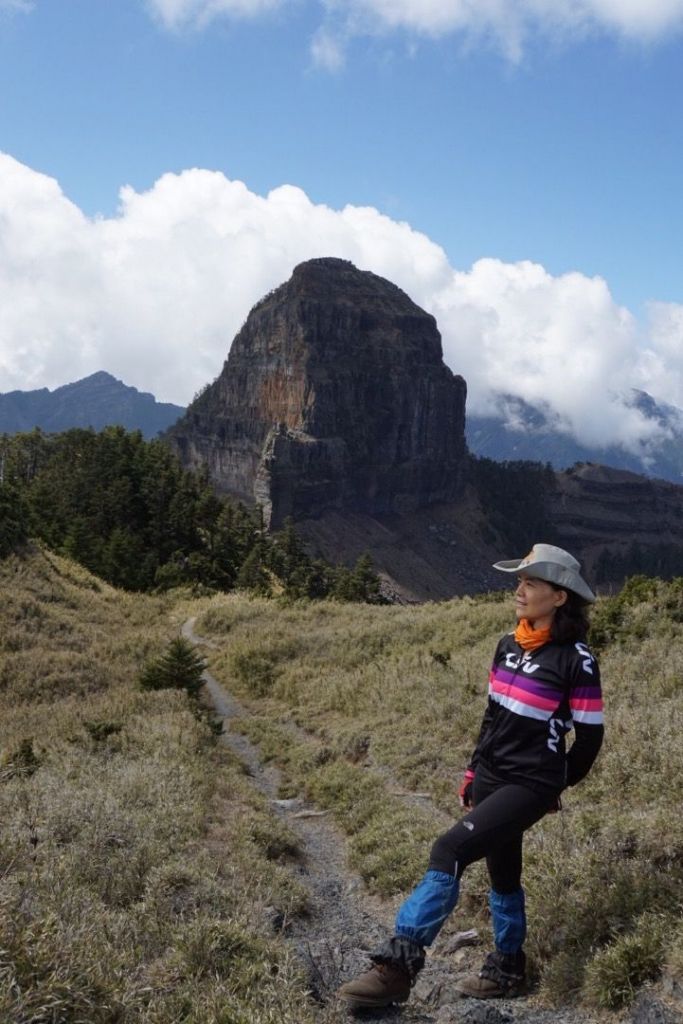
column 335, row 407
column 334, row 395
column 618, row 522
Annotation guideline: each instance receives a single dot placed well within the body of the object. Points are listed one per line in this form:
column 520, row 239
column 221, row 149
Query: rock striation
column 619, row 523
column 334, row 395
column 335, row 407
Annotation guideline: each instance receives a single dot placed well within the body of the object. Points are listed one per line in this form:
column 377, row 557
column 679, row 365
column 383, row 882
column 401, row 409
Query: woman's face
column 537, row 600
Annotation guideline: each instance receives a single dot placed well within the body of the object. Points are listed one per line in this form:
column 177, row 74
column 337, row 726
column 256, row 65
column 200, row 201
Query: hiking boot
column 381, row 985
column 501, row 977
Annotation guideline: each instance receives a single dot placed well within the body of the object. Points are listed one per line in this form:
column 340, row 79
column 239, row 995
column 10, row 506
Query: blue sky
column 524, row 137
column 572, row 157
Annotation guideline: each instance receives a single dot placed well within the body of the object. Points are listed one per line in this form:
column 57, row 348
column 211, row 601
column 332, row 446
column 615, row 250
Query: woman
column 543, row 681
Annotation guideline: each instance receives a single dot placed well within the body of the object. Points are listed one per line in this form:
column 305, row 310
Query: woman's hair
column 570, row 621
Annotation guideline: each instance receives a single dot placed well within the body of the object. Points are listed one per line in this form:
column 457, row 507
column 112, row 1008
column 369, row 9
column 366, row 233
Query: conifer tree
column 366, row 580
column 358, row 584
column 179, row 667
column 253, row 575
column 13, row 519
column 125, row 509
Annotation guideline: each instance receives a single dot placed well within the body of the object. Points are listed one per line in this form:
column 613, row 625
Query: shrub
column 179, row 667
column 612, row 619
column 616, row 972
column 100, row 731
column 21, row 762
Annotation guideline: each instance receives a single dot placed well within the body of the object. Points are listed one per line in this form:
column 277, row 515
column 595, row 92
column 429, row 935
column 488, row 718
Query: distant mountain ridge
column 335, row 408
column 526, row 432
column 523, row 431
column 97, row 401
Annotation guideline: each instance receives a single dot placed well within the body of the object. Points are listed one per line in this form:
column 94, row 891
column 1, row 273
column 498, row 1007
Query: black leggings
column 493, row 829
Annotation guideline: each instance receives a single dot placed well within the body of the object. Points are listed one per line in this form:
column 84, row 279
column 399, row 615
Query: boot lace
column 505, row 976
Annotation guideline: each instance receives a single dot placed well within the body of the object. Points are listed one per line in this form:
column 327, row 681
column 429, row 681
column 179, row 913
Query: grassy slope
column 404, row 689
column 134, row 852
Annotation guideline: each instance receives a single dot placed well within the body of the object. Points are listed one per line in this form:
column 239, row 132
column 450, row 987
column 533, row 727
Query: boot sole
column 360, row 1002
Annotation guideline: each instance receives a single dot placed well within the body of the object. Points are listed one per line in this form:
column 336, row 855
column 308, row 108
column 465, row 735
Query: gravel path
column 346, row 923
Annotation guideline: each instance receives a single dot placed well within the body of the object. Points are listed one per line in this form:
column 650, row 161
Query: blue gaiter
column 421, row 916
column 509, row 919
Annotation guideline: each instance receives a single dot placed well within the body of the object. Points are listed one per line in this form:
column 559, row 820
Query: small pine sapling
column 179, row 667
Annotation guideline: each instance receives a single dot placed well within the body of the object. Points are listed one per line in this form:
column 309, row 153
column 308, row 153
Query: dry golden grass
column 404, row 689
column 136, row 859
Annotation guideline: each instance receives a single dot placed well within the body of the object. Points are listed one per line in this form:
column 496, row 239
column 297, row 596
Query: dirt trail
column 345, row 922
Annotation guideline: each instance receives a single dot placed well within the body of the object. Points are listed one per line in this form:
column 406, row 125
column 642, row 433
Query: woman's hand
column 465, row 791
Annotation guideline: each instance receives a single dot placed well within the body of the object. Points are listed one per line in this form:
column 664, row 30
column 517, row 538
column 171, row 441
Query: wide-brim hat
column 555, row 565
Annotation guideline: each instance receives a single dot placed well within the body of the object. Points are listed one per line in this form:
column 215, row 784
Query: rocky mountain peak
column 334, row 394
column 96, row 401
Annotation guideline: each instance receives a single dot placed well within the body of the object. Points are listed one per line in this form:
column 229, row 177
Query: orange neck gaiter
column 530, row 638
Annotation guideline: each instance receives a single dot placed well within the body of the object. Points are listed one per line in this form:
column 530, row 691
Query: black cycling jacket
column 535, row 698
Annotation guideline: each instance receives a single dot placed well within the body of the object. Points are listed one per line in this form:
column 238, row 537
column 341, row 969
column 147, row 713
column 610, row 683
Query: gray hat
column 546, row 562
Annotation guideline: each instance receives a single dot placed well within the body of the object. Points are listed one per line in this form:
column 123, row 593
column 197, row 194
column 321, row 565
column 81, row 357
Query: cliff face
column 615, row 522
column 334, row 395
column 335, row 407
column 618, row 522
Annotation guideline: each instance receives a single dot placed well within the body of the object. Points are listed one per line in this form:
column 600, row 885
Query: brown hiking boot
column 501, row 977
column 381, row 985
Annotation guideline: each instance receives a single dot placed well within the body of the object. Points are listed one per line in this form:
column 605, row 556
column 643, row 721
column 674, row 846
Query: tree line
column 512, row 496
column 127, row 510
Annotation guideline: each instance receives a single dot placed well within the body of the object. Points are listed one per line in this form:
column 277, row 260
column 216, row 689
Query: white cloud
column 635, row 17
column 508, row 24
column 627, row 17
column 15, row 5
column 156, row 294
column 198, row 13
column 560, row 342
column 327, row 50
column 661, row 363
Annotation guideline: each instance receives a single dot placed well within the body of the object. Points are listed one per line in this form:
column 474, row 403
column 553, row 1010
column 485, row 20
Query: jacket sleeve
column 585, row 703
column 486, row 720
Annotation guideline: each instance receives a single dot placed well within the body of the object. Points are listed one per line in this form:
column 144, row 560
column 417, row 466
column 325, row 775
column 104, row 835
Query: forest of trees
column 664, row 560
column 125, row 509
column 511, row 493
